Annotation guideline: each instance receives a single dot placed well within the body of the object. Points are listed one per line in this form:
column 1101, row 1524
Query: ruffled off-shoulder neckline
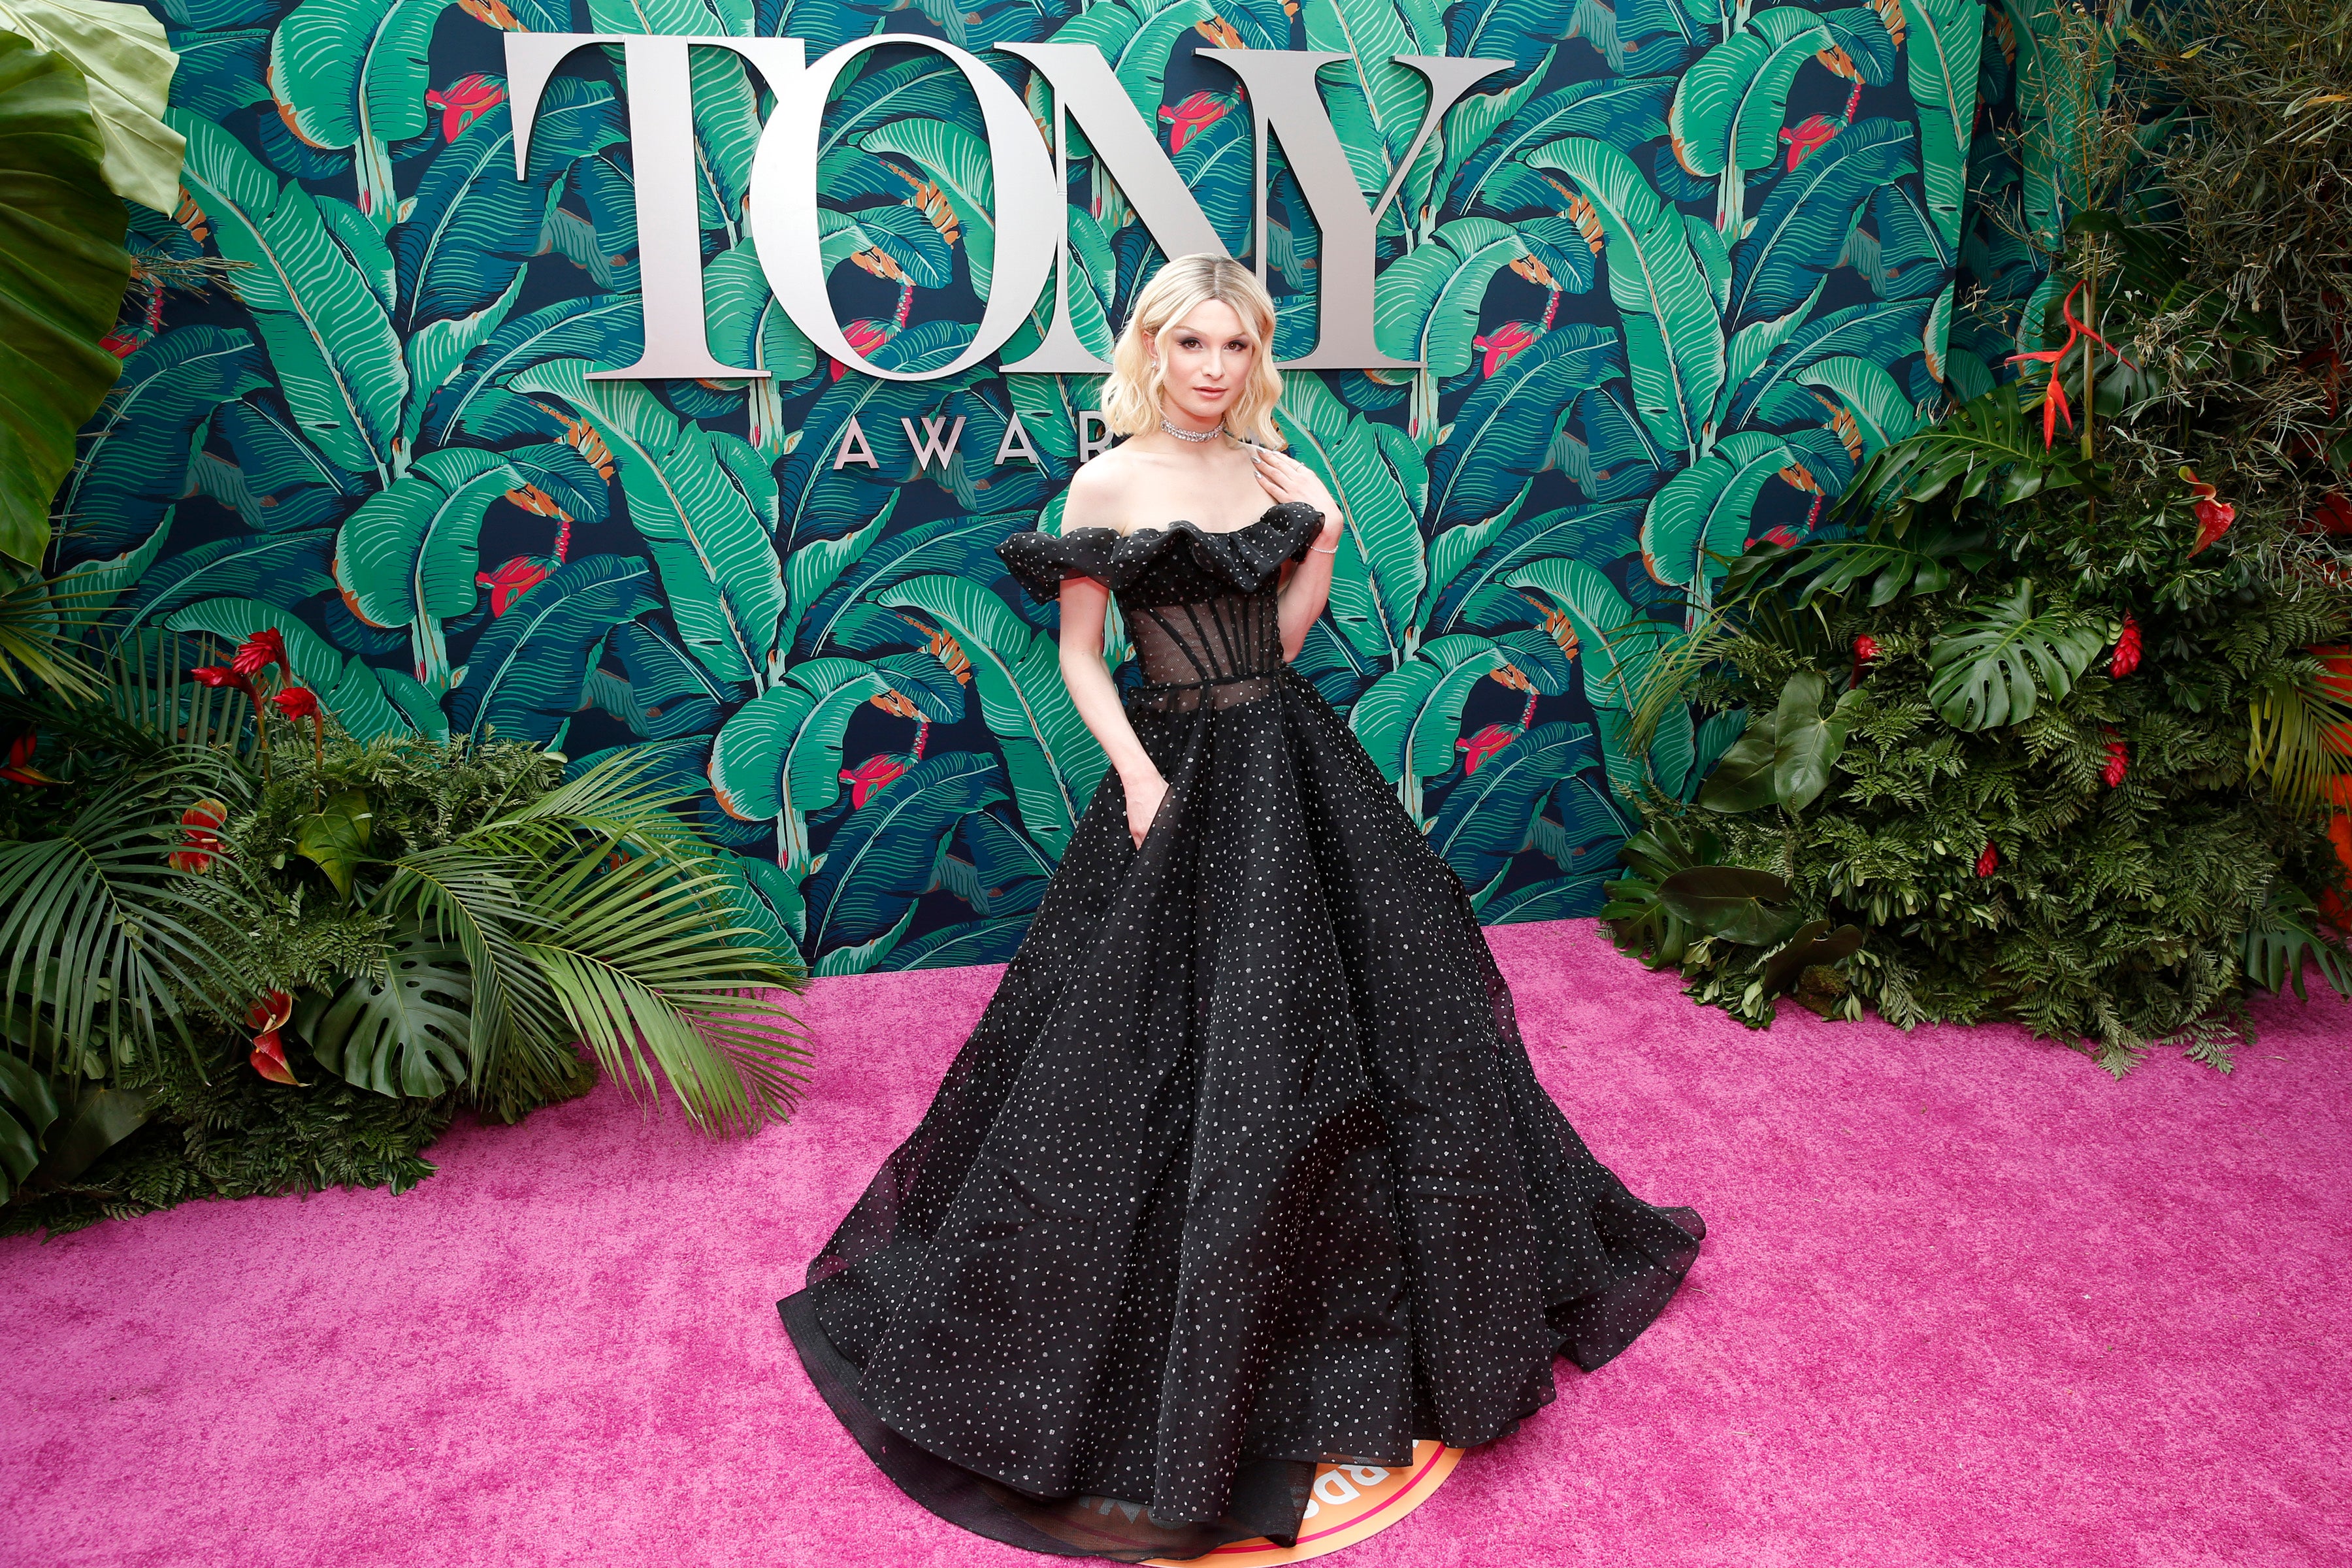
column 1246, row 556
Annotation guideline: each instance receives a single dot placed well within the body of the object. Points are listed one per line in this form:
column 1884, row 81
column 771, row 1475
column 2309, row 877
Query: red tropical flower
column 1989, row 861
column 266, row 1018
column 1194, row 115
column 1865, row 649
column 874, row 774
column 2118, row 760
column 865, row 337
column 216, row 675
column 465, row 101
column 512, row 580
column 124, row 342
column 1500, row 344
column 199, row 836
column 1476, row 748
column 1805, row 138
column 297, row 703
column 258, row 652
column 2127, row 657
column 2054, row 397
column 20, row 768
column 2214, row 515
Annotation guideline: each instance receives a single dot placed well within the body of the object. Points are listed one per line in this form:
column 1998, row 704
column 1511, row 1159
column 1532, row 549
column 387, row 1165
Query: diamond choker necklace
column 1182, row 434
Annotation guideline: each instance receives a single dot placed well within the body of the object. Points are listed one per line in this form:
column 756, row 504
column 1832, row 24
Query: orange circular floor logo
column 1349, row 1503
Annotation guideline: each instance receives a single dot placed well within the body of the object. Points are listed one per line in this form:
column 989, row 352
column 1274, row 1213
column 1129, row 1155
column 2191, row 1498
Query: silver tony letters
column 1031, row 246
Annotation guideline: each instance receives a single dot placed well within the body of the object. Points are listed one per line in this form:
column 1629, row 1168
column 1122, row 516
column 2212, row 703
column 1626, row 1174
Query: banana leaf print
column 1669, row 274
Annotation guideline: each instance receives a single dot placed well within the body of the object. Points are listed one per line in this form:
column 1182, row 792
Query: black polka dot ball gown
column 1244, row 1166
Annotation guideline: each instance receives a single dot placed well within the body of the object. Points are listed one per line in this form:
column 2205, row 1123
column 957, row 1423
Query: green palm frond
column 2301, row 734
column 657, row 990
column 475, row 902
column 37, row 626
column 98, row 927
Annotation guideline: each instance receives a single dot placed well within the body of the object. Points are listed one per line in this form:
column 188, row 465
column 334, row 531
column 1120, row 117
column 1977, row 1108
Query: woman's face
column 1206, row 358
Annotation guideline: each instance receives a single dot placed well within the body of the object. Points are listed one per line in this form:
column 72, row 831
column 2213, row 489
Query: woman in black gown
column 1244, row 1167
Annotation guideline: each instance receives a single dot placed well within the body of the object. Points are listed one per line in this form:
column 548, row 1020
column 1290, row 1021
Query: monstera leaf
column 62, row 273
column 1489, row 818
column 1986, row 668
column 1054, row 760
column 307, row 280
column 408, row 1035
column 885, row 856
column 132, row 465
column 1672, row 335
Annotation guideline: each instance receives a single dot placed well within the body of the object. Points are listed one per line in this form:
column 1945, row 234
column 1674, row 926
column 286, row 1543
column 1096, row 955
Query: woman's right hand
column 1143, row 798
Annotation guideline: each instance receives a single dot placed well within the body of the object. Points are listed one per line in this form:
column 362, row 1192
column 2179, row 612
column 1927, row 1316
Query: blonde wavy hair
column 1131, row 393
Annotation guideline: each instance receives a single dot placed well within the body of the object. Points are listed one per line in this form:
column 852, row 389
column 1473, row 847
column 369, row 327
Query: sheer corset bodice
column 1220, row 651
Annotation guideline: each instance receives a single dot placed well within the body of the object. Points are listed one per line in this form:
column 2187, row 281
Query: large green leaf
column 1672, row 334
column 1697, row 524
column 408, row 557
column 1489, row 816
column 1882, row 414
column 1375, row 104
column 1614, row 644
column 886, row 855
column 778, row 757
column 1410, row 717
column 1054, row 761
column 1727, row 109
column 1502, row 436
column 1940, row 57
column 133, row 467
column 523, row 677
column 1136, row 36
column 690, row 504
column 62, row 273
column 1376, row 476
column 351, row 74
column 1985, row 669
column 127, row 61
column 1623, row 112
column 1801, row 231
column 1427, row 302
column 958, row 161
column 408, row 1035
column 281, row 569
column 328, row 333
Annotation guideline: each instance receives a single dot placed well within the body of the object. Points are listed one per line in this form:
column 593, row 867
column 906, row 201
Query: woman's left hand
column 1286, row 478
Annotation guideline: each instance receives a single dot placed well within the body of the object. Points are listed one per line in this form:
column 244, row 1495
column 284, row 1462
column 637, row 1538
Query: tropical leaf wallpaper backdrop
column 1672, row 276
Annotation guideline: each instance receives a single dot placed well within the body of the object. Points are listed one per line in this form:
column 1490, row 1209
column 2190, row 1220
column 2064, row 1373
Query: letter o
column 783, row 206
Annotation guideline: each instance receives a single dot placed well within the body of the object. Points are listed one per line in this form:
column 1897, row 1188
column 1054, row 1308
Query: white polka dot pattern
column 1244, row 1166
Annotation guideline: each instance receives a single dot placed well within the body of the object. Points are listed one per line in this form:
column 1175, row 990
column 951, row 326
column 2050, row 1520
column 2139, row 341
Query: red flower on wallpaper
column 874, row 774
column 513, row 579
column 1806, row 137
column 465, row 101
column 2127, row 657
column 1476, row 748
column 865, row 337
column 2214, row 515
column 1189, row 118
column 266, row 1018
column 199, row 836
column 1499, row 345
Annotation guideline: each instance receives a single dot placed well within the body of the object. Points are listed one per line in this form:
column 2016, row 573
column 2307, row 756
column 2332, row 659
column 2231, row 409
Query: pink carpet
column 1964, row 1301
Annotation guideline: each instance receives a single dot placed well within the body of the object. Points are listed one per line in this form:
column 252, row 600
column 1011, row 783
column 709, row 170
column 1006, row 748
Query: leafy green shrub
column 195, row 899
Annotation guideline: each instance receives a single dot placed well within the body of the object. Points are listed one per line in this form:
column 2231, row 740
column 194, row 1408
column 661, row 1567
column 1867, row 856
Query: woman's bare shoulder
column 1099, row 490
